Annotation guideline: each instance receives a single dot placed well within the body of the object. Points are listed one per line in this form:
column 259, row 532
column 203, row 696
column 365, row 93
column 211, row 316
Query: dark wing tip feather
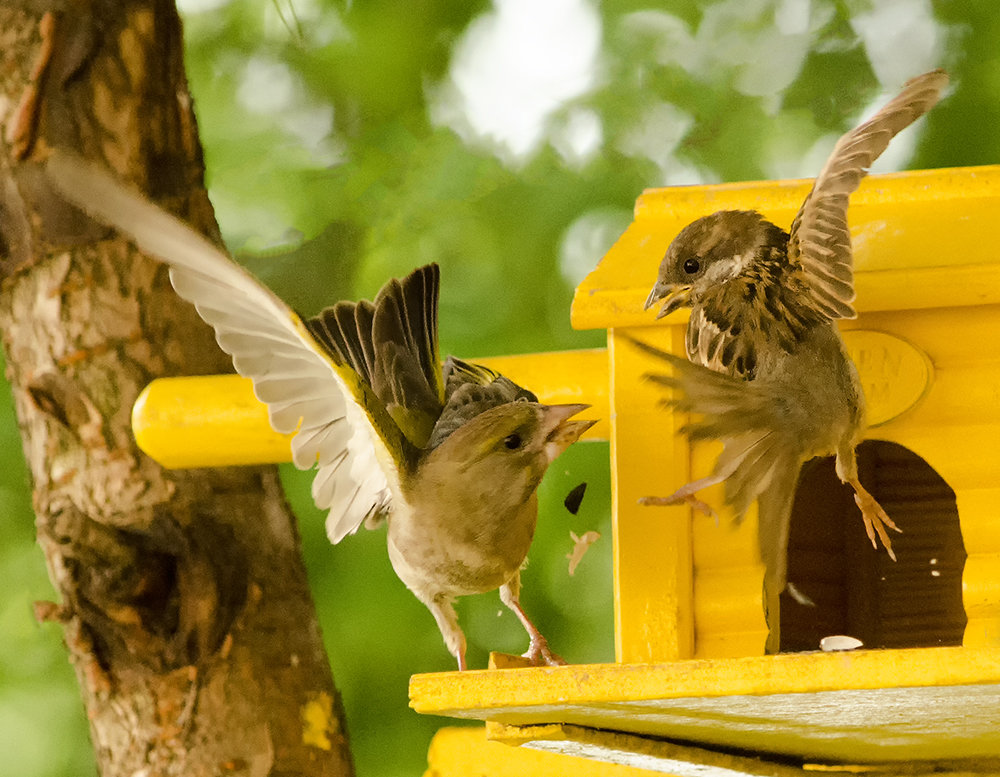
column 420, row 294
column 406, row 371
column 396, row 333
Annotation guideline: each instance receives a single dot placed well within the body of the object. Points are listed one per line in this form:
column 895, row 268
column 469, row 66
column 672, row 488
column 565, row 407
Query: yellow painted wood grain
column 216, row 421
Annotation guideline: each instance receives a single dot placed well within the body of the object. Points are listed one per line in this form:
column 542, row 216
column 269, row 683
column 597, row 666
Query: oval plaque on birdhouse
column 895, row 375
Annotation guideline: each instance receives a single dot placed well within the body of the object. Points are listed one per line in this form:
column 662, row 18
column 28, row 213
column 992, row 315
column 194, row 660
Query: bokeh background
column 347, row 142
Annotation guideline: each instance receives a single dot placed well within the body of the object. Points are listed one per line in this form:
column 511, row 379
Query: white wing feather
column 357, row 474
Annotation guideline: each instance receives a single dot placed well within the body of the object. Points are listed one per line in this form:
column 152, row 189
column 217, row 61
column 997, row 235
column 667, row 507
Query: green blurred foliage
column 350, row 141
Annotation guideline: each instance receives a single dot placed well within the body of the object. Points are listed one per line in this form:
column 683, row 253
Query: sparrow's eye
column 692, row 265
column 512, row 441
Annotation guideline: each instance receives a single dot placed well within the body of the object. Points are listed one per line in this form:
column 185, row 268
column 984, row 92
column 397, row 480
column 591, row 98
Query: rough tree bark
column 184, row 600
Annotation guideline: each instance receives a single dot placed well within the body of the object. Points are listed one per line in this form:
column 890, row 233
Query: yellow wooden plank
column 636, row 755
column 652, row 546
column 860, row 707
column 685, row 760
column 556, row 750
column 729, row 620
column 979, row 510
column 903, row 258
column 480, row 693
column 466, row 752
column 215, row 420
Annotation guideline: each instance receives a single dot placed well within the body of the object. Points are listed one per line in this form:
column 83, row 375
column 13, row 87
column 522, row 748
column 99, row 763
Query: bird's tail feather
column 774, row 511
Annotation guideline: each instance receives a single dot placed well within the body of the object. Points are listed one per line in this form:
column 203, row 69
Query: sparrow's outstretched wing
column 819, row 240
column 392, row 343
column 342, row 426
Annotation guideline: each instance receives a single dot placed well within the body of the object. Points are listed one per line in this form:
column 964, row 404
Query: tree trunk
column 184, row 599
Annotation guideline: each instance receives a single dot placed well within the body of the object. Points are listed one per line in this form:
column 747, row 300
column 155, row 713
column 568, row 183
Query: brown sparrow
column 769, row 375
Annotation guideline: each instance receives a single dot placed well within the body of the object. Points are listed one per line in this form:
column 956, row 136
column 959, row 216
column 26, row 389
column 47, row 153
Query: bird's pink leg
column 876, row 519
column 443, row 610
column 686, row 493
column 538, row 647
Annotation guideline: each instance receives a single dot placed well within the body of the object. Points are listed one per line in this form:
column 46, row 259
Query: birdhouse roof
column 921, row 239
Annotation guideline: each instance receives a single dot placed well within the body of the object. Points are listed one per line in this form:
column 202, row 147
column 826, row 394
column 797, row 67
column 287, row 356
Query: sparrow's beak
column 559, row 431
column 675, row 295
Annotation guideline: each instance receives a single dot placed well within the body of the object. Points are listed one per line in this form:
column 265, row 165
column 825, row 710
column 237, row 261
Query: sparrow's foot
column 539, row 653
column 679, row 497
column 686, row 494
column 876, row 519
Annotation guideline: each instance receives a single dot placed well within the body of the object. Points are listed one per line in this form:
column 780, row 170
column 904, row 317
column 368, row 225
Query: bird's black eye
column 692, row 265
column 512, row 441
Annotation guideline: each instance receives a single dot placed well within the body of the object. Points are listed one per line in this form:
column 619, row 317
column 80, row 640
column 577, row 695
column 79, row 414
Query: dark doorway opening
column 858, row 591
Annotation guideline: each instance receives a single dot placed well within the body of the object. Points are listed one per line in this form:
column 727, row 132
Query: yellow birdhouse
column 706, row 681
column 927, row 360
column 695, row 687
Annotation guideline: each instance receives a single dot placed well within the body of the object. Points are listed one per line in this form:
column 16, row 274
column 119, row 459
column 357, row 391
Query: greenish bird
column 450, row 458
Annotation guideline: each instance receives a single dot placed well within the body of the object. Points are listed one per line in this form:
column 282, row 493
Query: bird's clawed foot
column 539, row 653
column 682, row 495
column 876, row 519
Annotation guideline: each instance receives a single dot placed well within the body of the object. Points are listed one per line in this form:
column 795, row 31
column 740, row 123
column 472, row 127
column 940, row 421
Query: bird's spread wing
column 820, row 241
column 341, row 426
column 392, row 343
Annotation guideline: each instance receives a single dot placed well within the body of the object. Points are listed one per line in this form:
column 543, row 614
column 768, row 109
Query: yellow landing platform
column 890, row 711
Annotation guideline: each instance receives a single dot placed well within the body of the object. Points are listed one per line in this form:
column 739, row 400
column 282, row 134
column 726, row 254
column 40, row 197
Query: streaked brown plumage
column 768, row 373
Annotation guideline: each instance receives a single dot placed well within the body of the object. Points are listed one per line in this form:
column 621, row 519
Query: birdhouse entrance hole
column 915, row 601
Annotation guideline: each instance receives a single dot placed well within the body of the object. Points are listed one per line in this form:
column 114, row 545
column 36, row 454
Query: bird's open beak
column 560, row 431
column 675, row 296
